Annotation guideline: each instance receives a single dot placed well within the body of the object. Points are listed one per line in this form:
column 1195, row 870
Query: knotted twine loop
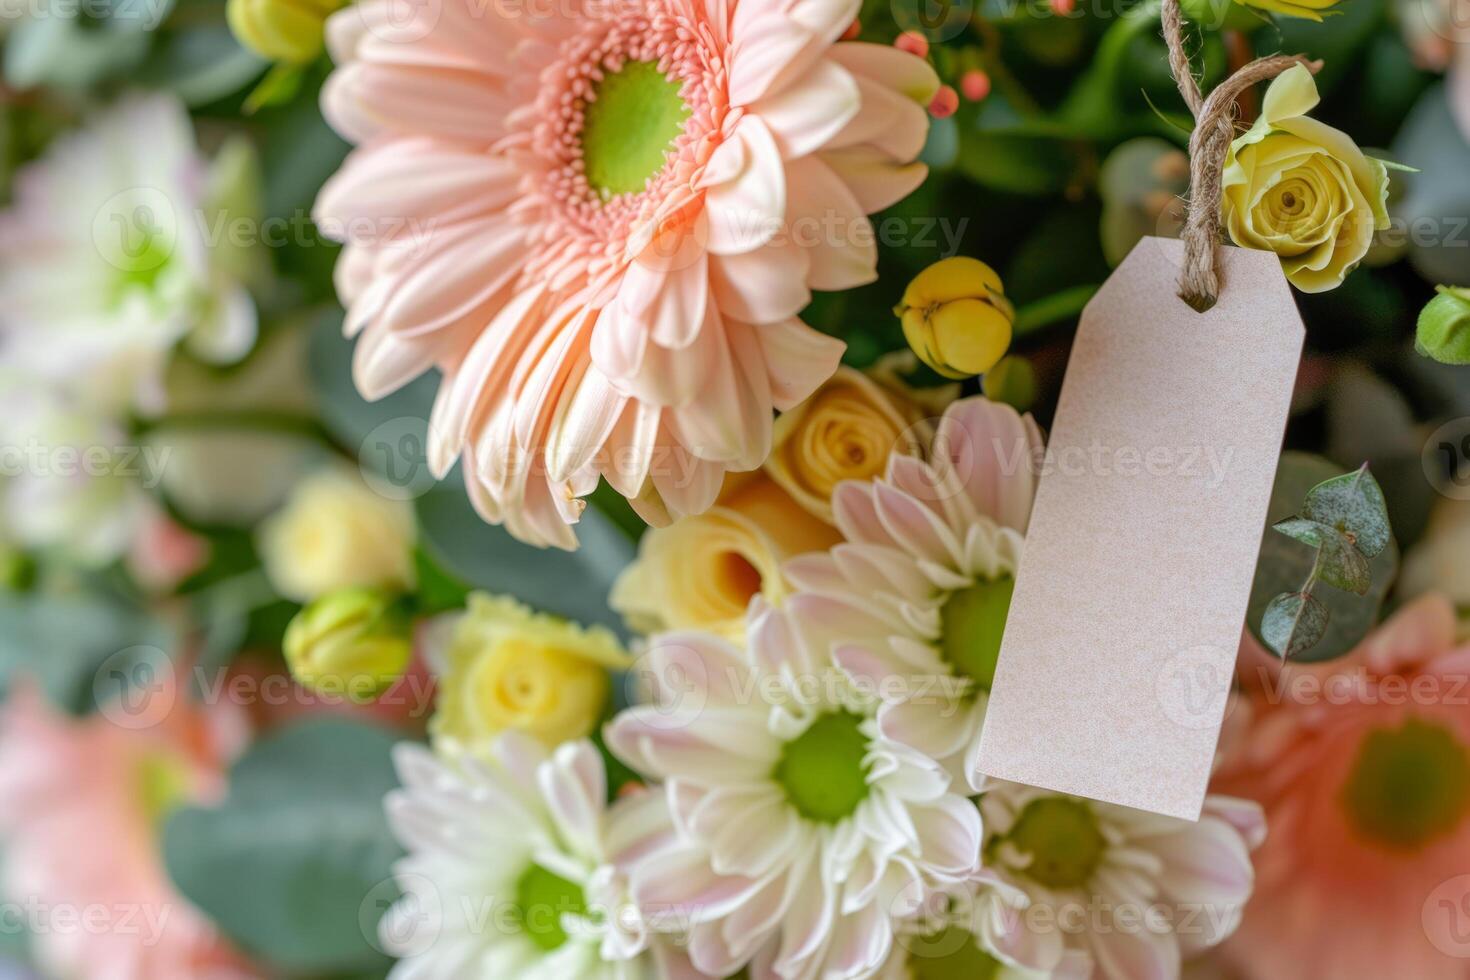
column 1214, row 129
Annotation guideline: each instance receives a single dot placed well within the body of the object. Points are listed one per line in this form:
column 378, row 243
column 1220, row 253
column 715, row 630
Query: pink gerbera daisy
column 599, row 221
column 1363, row 767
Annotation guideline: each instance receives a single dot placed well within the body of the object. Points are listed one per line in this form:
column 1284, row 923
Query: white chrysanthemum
column 804, row 834
column 975, row 931
column 919, row 590
column 510, row 870
column 69, row 484
column 1136, row 891
column 121, row 241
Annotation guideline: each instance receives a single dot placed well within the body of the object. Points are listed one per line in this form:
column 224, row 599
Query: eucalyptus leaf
column 286, row 864
column 63, row 641
column 1353, row 503
column 1294, row 622
column 1339, row 563
column 1286, row 564
column 573, row 584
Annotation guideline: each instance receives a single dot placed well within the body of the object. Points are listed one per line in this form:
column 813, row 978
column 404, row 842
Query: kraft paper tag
column 1121, row 640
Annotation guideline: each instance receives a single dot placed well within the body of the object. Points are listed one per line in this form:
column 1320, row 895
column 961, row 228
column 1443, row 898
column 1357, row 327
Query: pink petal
column 805, row 115
column 798, row 359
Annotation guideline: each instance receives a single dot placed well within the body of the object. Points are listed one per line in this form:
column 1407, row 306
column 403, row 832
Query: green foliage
column 1345, row 520
column 292, row 864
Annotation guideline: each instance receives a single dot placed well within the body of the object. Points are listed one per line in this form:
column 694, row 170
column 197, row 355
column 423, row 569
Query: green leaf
column 1339, row 564
column 1294, row 622
column 63, row 642
column 572, row 584
column 1353, row 503
column 1285, row 564
column 286, row 864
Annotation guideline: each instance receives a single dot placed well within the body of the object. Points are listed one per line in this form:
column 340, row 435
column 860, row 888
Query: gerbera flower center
column 973, row 621
column 824, row 771
column 1409, row 786
column 951, row 954
column 542, row 898
column 629, row 128
column 1062, row 839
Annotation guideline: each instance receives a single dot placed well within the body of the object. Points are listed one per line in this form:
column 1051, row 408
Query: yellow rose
column 956, row 318
column 1301, row 189
column 506, row 667
column 702, row 571
column 844, row 431
column 336, row 532
column 280, row 30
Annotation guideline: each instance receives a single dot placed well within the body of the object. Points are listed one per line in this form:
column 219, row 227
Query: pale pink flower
column 1363, row 767
column 805, row 837
column 920, row 588
column 599, row 221
column 81, row 801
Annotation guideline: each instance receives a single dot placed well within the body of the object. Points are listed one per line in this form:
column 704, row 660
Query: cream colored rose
column 702, row 571
column 845, row 431
column 1301, row 189
column 335, row 532
column 508, row 668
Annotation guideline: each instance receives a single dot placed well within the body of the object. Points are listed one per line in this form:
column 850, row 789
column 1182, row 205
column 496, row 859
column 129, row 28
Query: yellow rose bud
column 845, row 431
column 702, row 571
column 1301, row 189
column 336, row 532
column 280, row 30
column 1308, row 9
column 508, row 668
column 956, row 317
column 352, row 642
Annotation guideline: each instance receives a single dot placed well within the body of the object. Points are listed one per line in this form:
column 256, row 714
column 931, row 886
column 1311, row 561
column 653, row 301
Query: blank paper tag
column 1122, row 635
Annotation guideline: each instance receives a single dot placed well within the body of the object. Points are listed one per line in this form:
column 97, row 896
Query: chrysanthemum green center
column 951, row 954
column 823, row 769
column 629, row 128
column 1409, row 785
column 973, row 620
column 1062, row 839
column 542, row 898
column 163, row 784
column 141, row 268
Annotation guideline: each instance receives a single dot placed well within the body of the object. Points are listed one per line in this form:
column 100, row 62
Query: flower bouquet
column 537, row 489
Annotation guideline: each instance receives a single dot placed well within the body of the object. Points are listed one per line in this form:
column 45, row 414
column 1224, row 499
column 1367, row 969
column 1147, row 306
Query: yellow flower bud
column 353, row 643
column 281, row 30
column 508, row 668
column 956, row 317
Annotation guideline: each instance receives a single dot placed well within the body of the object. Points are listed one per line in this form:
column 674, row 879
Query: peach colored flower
column 599, row 220
column 1363, row 768
column 81, row 804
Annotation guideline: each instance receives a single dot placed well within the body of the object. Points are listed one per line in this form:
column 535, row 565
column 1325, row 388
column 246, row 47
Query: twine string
column 1214, row 129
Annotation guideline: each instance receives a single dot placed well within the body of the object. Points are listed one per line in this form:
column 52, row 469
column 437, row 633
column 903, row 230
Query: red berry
column 946, row 102
column 853, row 30
column 914, row 43
column 975, row 84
